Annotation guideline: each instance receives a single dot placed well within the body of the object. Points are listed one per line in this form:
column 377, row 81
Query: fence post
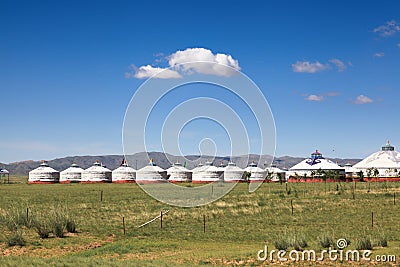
column 161, row 220
column 123, row 224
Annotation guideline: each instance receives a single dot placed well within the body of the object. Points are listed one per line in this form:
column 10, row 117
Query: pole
column 101, row 196
column 204, row 223
column 161, row 220
column 27, row 214
column 123, row 224
column 394, row 198
column 291, row 204
column 372, row 220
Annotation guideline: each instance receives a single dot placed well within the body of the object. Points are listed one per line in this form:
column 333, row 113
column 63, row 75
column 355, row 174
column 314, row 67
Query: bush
column 325, row 241
column 281, row 243
column 299, row 243
column 16, row 239
column 382, row 241
column 71, row 226
column 364, row 243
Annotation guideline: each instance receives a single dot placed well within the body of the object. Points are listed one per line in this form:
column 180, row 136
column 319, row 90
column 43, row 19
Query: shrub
column 364, row 243
column 71, row 226
column 16, row 239
column 325, row 241
column 281, row 243
column 299, row 243
column 382, row 241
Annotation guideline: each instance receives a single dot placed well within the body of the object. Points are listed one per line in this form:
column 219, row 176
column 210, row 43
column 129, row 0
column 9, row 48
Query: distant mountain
column 141, row 159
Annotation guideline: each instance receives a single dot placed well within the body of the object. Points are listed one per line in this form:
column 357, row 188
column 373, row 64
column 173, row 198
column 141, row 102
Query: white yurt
column 275, row 174
column 350, row 171
column 178, row 173
column 207, row 174
column 96, row 174
column 151, row 174
column 124, row 174
column 256, row 173
column 72, row 174
column 314, row 164
column 4, row 173
column 233, row 173
column 386, row 161
column 43, row 175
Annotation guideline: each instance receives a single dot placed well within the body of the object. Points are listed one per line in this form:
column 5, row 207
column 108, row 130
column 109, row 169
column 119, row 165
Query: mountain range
column 163, row 160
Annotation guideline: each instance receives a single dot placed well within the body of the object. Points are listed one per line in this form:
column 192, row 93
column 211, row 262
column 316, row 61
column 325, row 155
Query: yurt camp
column 151, row 174
column 233, row 173
column 43, row 175
column 178, row 173
column 382, row 164
column 313, row 168
column 256, row 174
column 71, row 175
column 207, row 174
column 124, row 174
column 350, row 171
column 96, row 174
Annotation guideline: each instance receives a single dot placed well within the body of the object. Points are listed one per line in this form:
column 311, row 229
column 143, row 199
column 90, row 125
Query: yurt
column 233, row 173
column 256, row 173
column 151, row 174
column 275, row 174
column 124, row 174
column 178, row 173
column 96, row 174
column 71, row 175
column 4, row 173
column 207, row 174
column 350, row 171
column 386, row 161
column 43, row 175
column 311, row 167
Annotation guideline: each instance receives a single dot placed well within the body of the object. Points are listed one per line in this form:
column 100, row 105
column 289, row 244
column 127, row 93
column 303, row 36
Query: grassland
column 237, row 226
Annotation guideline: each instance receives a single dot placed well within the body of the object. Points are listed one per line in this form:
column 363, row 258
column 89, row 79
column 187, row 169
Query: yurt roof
column 44, row 168
column 208, row 167
column 152, row 167
column 232, row 167
column 386, row 158
column 253, row 168
column 177, row 167
column 4, row 171
column 124, row 169
column 316, row 162
column 274, row 170
column 98, row 167
column 73, row 169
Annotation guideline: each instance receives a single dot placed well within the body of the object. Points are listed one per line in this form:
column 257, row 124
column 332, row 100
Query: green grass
column 237, row 226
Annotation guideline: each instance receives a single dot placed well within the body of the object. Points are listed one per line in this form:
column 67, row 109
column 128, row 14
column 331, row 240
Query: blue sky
column 330, row 70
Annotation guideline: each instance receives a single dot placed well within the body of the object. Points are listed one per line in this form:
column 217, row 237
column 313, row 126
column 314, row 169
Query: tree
column 360, row 175
column 376, row 172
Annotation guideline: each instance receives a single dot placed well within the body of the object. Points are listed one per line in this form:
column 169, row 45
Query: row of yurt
column 151, row 173
column 47, row 175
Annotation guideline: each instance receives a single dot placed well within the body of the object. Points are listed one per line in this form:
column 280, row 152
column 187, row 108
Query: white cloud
column 388, row 29
column 338, row 63
column 380, row 54
column 362, row 99
column 194, row 58
column 398, row 45
column 316, row 98
column 309, row 67
column 162, row 73
column 313, row 67
column 201, row 54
